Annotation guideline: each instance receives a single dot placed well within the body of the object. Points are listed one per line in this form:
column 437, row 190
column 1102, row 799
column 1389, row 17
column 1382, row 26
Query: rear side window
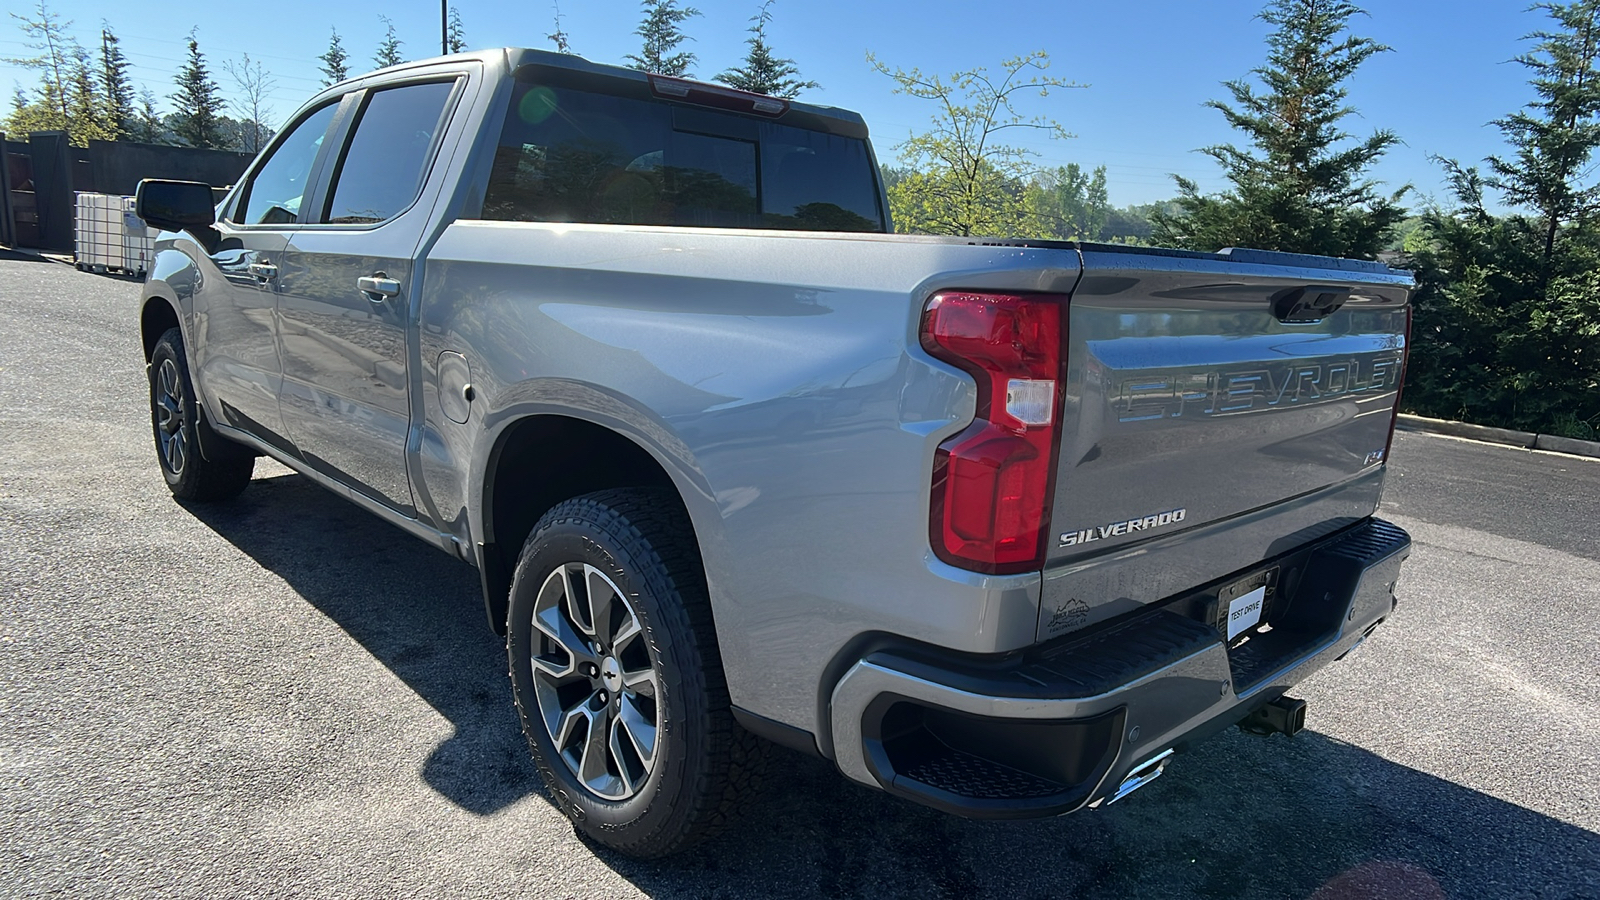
column 569, row 155
column 382, row 171
column 274, row 193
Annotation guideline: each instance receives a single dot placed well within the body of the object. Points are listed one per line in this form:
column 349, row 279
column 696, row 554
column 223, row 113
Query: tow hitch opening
column 1285, row 715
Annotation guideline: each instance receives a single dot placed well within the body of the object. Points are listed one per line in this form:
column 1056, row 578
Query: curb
column 1525, row 440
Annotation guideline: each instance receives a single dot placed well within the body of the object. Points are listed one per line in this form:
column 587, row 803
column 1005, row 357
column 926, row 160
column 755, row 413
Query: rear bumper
column 1059, row 727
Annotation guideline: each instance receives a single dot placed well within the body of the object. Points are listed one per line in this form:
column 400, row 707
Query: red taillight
column 1400, row 389
column 992, row 483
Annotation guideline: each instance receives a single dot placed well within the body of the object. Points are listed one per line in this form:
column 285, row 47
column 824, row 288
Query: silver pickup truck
column 996, row 526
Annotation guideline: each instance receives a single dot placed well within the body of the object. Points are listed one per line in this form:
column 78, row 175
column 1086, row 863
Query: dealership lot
column 285, row 696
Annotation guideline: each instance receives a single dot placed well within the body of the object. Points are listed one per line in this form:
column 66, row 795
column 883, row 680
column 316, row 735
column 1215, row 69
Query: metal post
column 444, row 26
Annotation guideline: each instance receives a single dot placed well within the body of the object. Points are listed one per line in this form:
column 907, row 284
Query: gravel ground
column 287, row 697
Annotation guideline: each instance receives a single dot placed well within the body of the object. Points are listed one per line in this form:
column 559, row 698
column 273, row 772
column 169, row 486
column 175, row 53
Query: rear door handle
column 378, row 287
column 263, row 270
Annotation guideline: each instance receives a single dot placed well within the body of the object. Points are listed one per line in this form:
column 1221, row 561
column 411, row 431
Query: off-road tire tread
column 203, row 480
column 651, row 526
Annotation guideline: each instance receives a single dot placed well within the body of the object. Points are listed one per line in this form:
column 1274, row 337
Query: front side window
column 569, row 155
column 382, row 172
column 275, row 192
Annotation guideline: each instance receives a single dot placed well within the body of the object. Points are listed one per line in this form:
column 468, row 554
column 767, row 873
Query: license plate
column 1242, row 605
column 1244, row 612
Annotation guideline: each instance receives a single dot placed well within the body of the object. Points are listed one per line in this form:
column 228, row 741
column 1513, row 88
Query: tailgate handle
column 1308, row 304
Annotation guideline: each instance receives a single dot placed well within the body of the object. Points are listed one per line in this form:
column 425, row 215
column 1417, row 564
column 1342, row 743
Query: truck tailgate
column 1213, row 420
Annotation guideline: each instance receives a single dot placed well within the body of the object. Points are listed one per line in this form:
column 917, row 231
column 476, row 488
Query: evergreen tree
column 197, row 104
column 47, row 36
column 84, row 103
column 116, row 91
column 146, row 126
column 1300, row 187
column 1507, row 312
column 335, row 67
column 455, row 35
column 762, row 72
column 559, row 37
column 389, row 50
column 29, row 115
column 662, row 35
column 1557, row 135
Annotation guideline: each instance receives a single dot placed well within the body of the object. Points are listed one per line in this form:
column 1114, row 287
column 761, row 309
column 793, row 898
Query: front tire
column 617, row 678
column 175, row 420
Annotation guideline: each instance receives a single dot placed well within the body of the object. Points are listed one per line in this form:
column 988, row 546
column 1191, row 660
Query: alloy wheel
column 597, row 690
column 169, row 416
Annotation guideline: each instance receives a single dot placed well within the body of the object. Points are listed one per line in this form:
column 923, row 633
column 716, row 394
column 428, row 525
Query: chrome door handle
column 378, row 287
column 263, row 270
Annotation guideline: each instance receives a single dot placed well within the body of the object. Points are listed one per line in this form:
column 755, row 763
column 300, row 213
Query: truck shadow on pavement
column 1238, row 817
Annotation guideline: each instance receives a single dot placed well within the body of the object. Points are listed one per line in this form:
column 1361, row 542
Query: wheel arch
column 158, row 314
column 535, row 462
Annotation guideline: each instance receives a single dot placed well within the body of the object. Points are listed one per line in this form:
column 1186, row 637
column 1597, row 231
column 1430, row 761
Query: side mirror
column 175, row 205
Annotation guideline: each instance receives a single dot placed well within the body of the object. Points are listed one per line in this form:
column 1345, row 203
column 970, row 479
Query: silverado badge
column 1118, row 529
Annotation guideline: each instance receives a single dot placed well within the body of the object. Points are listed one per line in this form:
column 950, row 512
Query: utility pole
column 444, row 27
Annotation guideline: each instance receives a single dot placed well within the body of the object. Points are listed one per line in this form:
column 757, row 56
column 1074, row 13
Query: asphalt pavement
column 286, row 697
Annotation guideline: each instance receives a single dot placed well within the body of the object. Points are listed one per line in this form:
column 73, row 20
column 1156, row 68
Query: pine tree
column 146, row 126
column 197, row 103
column 84, row 103
column 47, row 36
column 762, row 72
column 116, row 91
column 1507, row 313
column 455, row 35
column 389, row 50
column 661, row 38
column 1557, row 135
column 1300, row 187
column 559, row 37
column 335, row 62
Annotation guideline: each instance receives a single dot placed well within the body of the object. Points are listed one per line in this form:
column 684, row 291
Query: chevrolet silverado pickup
column 996, row 526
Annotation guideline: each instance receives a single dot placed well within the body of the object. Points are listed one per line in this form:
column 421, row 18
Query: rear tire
column 176, row 423
column 617, row 677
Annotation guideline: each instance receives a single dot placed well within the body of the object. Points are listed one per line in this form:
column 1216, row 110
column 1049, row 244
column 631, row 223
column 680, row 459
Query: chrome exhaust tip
column 1141, row 775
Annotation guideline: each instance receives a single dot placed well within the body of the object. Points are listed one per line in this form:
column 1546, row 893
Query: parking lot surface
column 286, row 697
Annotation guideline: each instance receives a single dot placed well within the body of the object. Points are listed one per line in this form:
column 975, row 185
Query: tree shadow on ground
column 1238, row 817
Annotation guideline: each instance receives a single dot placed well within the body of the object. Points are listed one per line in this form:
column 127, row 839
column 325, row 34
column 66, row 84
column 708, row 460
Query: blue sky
column 1150, row 64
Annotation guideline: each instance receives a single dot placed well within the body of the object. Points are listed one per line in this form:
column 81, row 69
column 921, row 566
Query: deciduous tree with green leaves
column 962, row 178
column 762, row 72
column 1301, row 184
column 559, row 37
column 662, row 33
column 1069, row 203
column 197, row 104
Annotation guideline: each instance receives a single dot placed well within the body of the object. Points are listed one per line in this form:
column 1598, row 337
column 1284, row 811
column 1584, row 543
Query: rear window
column 569, row 155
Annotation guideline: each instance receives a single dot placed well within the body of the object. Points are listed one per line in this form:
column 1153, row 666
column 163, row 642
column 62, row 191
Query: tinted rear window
column 570, row 155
